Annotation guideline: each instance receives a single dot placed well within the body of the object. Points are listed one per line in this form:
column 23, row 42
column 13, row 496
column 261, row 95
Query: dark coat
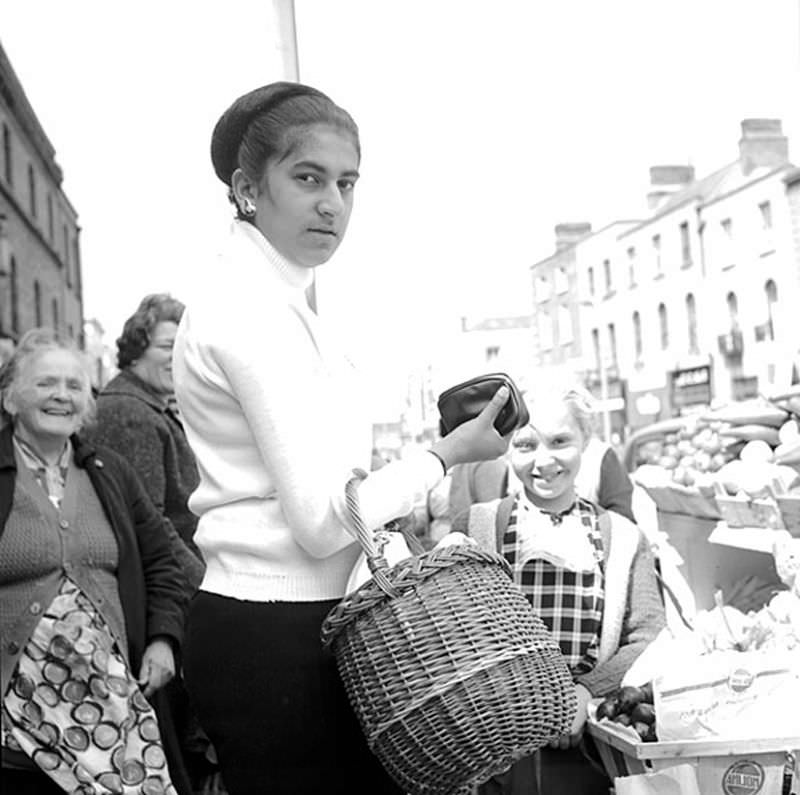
column 137, row 424
column 152, row 587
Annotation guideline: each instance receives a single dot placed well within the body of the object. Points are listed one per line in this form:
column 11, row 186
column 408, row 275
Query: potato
column 647, row 693
column 642, row 729
column 644, row 713
column 629, row 696
column 608, row 708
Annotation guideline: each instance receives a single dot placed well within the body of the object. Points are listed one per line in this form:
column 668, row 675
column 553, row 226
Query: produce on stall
column 740, row 457
column 722, row 695
column 723, row 475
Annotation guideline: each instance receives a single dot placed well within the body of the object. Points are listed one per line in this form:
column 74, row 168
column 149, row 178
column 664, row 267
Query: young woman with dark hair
column 276, row 418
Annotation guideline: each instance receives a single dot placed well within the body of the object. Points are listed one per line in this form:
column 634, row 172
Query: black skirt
column 271, row 701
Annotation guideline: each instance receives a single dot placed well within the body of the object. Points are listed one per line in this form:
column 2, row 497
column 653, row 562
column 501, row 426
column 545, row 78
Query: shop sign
column 648, row 404
column 743, row 778
column 691, row 386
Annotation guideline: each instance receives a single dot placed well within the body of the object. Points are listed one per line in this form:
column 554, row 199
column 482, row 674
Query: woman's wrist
column 440, row 459
column 443, row 450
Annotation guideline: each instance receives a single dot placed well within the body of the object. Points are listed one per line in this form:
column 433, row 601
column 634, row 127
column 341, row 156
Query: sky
column 483, row 125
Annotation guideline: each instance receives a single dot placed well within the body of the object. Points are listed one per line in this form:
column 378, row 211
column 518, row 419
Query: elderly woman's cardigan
column 152, row 588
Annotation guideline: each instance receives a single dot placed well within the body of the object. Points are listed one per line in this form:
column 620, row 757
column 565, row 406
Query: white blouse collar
column 297, row 276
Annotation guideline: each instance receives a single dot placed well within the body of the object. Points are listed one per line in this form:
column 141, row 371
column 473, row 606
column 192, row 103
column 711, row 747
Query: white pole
column 604, row 395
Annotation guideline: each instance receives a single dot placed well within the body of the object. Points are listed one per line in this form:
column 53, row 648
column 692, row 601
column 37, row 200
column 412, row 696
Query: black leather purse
column 465, row 401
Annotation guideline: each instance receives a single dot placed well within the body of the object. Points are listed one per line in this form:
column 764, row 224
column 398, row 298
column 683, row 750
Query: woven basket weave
column 452, row 675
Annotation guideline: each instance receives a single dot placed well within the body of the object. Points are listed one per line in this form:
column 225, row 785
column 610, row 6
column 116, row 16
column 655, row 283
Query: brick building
column 694, row 302
column 40, row 267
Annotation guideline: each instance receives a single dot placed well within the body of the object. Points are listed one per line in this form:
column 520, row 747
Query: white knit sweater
column 276, row 418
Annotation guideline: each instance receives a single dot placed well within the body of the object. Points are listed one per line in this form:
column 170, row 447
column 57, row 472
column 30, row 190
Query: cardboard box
column 739, row 767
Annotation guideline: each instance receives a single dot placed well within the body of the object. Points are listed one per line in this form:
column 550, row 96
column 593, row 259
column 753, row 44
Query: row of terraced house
column 691, row 304
column 40, row 260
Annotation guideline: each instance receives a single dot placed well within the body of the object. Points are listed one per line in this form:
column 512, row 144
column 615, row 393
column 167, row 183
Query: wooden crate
column 707, row 566
column 743, row 512
column 789, row 505
column 749, row 767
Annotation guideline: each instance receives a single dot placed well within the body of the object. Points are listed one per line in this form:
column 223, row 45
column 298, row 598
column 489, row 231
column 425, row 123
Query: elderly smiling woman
column 92, row 599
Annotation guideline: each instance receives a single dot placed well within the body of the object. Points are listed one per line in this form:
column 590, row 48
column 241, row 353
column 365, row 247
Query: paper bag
column 677, row 780
column 730, row 695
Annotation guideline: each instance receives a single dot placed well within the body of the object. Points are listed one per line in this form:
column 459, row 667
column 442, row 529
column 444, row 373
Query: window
column 31, row 190
column 37, row 302
column 727, row 250
column 632, row 266
column 771, row 293
column 14, row 297
column 76, row 262
column 765, row 208
column 691, row 319
column 545, row 331
column 50, row 231
column 637, row 336
column 561, row 280
column 596, row 347
column 657, row 254
column 7, row 164
column 543, row 288
column 733, row 309
column 590, row 275
column 686, row 248
column 607, row 274
column 663, row 326
column 612, row 342
column 71, row 331
column 492, row 352
column 565, row 330
column 54, row 305
column 67, row 264
column 66, row 245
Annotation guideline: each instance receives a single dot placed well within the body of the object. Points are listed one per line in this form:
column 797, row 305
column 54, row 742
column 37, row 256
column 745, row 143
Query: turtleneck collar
column 297, row 276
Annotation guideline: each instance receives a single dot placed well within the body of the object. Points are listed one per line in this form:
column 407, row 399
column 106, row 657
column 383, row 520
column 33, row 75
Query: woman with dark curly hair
column 135, row 417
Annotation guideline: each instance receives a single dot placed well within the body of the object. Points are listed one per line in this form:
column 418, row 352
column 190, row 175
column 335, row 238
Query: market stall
column 712, row 709
column 723, row 482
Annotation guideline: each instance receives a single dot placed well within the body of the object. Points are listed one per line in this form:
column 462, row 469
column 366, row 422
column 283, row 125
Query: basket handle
column 375, row 560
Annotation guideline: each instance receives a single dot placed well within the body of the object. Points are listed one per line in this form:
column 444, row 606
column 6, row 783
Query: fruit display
column 631, row 706
column 705, row 442
column 737, row 454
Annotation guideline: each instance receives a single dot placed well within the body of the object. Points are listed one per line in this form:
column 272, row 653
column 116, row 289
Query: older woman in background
column 135, row 417
column 93, row 600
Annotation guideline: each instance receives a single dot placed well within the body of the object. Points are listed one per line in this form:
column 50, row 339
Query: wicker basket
column 452, row 675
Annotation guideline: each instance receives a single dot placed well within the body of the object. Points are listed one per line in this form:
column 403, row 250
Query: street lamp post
column 603, row 375
column 604, row 395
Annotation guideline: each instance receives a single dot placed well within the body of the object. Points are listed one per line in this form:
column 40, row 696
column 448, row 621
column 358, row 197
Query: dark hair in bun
column 268, row 123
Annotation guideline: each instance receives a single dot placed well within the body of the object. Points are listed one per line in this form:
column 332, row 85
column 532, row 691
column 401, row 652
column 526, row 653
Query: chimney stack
column 569, row 234
column 762, row 145
column 665, row 181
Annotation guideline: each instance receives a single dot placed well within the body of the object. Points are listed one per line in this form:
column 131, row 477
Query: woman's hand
column 158, row 666
column 576, row 730
column 477, row 439
column 455, row 539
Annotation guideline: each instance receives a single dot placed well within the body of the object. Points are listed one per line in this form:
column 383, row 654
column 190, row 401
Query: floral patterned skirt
column 75, row 709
